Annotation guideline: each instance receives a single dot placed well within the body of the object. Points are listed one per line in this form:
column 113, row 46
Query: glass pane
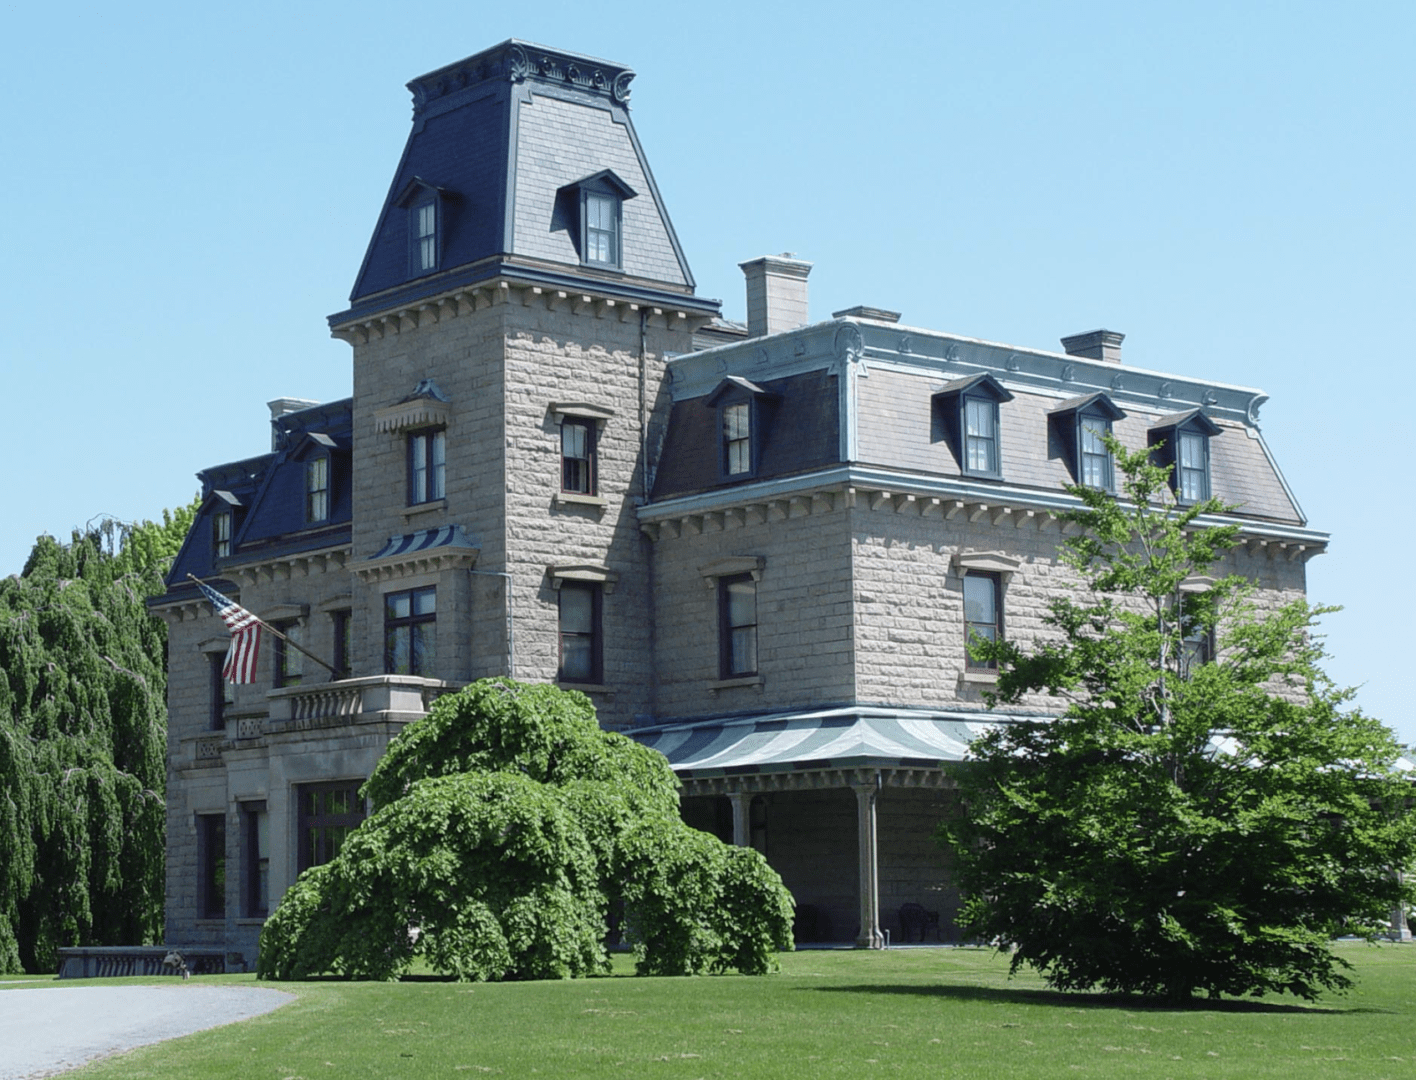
column 426, row 220
column 399, row 605
column 425, row 647
column 979, row 417
column 439, row 439
column 742, row 603
column 744, row 652
column 1191, row 452
column 1092, row 432
column 735, row 424
column 573, row 441
column 577, row 610
column 577, row 657
column 397, row 650
column 979, row 599
column 425, row 602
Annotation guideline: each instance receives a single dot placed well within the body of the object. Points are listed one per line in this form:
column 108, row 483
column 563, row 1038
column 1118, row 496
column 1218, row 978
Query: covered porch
column 843, row 803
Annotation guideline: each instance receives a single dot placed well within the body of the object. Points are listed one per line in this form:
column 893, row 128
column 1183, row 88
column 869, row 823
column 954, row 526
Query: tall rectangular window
column 343, row 626
column 737, row 439
column 981, row 435
column 317, row 489
column 737, row 626
column 601, row 229
column 427, row 466
column 289, row 661
column 221, row 534
column 220, row 691
column 255, row 846
column 211, row 866
column 1192, row 468
column 1095, row 457
column 426, row 238
column 410, row 632
column 579, row 632
column 327, row 814
column 983, row 615
column 578, row 456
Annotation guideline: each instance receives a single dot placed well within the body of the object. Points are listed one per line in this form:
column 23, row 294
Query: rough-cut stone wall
column 805, row 635
column 548, row 364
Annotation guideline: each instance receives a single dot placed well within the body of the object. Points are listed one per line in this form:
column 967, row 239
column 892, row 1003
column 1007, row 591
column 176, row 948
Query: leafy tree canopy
column 509, row 829
column 83, row 726
column 1208, row 812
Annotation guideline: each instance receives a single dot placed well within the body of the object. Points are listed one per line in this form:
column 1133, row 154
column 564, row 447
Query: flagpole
column 283, row 637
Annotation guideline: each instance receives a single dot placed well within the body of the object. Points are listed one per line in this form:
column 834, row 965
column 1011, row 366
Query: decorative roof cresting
column 518, row 61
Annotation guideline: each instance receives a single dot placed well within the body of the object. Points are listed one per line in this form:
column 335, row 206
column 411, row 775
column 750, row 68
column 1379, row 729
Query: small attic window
column 744, row 413
column 966, row 416
column 425, row 205
column 592, row 211
column 1081, row 425
column 1182, row 442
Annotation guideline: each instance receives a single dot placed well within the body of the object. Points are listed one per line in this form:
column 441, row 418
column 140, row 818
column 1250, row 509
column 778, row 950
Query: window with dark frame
column 327, row 814
column 343, row 626
column 221, row 693
column 255, row 862
column 578, row 455
column 221, row 534
column 737, row 626
column 211, row 863
column 602, row 229
column 579, row 627
column 1192, row 467
column 317, row 489
column 424, row 220
column 981, row 435
column 737, row 438
column 983, row 614
column 427, row 466
column 1093, row 457
column 410, row 632
column 289, row 661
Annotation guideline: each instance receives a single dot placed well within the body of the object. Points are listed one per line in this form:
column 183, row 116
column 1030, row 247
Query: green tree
column 509, row 831
column 83, row 724
column 1207, row 814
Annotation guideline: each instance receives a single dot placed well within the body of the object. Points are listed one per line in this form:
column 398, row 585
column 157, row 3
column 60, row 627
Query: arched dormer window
column 426, row 207
column 966, row 415
column 591, row 209
column 1181, row 441
column 1080, row 427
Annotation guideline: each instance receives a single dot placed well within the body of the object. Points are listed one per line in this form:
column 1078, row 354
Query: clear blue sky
column 189, row 190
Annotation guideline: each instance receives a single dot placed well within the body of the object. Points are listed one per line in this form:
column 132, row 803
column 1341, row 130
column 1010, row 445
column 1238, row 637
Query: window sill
column 572, row 498
column 410, row 512
column 251, row 920
column 730, row 684
column 588, row 688
column 983, row 678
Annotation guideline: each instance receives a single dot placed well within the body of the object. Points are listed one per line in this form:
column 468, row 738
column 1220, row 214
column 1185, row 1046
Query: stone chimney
column 278, row 408
column 776, row 293
column 1095, row 345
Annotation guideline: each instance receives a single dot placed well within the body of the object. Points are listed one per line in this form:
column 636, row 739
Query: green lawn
column 917, row 1012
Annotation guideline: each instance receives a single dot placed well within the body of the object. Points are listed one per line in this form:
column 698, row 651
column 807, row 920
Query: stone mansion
column 760, row 549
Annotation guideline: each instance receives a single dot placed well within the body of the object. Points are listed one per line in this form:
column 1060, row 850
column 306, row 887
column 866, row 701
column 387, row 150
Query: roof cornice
column 921, row 495
column 516, row 61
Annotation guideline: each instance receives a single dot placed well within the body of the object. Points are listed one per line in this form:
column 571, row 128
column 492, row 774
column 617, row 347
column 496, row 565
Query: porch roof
column 847, row 737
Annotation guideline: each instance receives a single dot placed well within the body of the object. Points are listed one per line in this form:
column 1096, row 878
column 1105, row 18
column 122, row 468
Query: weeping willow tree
column 83, row 724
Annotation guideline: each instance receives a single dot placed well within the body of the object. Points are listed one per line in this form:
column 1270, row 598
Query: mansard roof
column 495, row 138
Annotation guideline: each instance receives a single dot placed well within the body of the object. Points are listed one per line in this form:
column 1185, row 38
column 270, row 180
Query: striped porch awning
column 823, row 739
column 445, row 548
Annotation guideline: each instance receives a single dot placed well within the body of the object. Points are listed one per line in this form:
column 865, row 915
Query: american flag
column 245, row 630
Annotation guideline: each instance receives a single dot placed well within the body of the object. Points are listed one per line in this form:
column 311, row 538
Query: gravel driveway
column 47, row 1029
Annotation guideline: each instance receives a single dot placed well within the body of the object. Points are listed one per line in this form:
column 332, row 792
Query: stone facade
column 767, row 529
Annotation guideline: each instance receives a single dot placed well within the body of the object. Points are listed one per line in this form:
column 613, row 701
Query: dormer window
column 425, row 237
column 591, row 210
column 1182, row 442
column 743, row 411
column 966, row 412
column 221, row 534
column 1080, row 427
column 426, row 207
column 317, row 489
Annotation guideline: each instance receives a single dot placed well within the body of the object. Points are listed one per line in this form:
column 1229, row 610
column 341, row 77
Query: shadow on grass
column 1058, row 999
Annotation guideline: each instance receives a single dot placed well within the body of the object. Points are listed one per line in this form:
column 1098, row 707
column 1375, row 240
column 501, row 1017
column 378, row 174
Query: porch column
column 870, row 936
column 742, row 802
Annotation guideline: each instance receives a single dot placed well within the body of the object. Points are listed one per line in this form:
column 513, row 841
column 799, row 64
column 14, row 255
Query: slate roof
column 497, row 135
